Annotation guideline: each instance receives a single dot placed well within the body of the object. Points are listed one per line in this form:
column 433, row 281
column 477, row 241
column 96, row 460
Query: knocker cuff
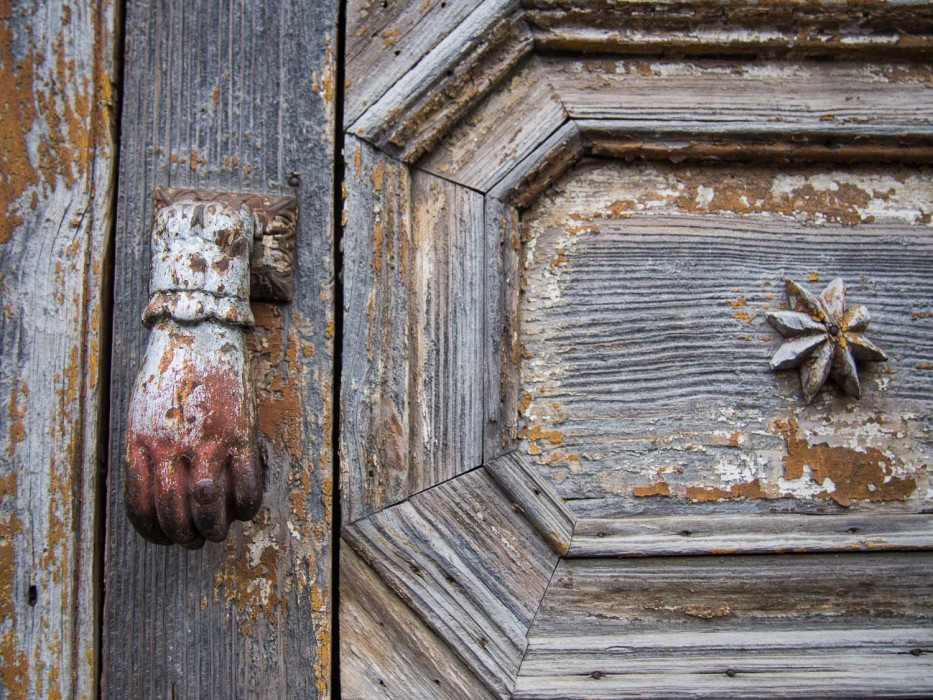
column 195, row 306
column 201, row 263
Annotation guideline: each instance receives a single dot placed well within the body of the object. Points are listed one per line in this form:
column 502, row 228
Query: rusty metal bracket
column 191, row 455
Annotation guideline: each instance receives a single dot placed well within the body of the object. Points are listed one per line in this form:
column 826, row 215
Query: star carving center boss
column 823, row 338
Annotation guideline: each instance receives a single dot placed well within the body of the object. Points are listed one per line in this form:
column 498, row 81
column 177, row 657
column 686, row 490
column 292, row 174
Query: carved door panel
column 567, row 466
column 236, row 98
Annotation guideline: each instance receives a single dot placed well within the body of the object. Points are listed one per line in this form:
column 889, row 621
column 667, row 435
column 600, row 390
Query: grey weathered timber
column 534, row 498
column 835, row 100
column 413, row 344
column 415, row 113
column 672, row 535
column 501, row 349
column 57, row 97
column 524, row 183
column 624, row 349
column 645, row 380
column 446, row 341
column 235, row 97
column 504, row 128
column 378, row 276
column 471, row 566
column 814, row 29
column 384, row 41
column 387, row 651
column 787, row 626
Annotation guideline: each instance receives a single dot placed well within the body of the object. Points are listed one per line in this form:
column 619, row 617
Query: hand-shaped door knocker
column 192, row 461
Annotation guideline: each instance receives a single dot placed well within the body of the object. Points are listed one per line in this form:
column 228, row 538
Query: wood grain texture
column 524, row 183
column 501, row 351
column 447, row 326
column 646, row 386
column 740, row 534
column 834, row 100
column 386, row 39
column 534, row 498
column 605, row 138
column 468, row 564
column 513, row 120
column 237, row 97
column 387, row 651
column 57, row 95
column 379, row 269
column 703, row 27
column 788, row 626
column 421, row 106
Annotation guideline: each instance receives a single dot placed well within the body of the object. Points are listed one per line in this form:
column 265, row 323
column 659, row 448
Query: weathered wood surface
column 513, row 120
column 534, row 498
column 703, row 27
column 234, row 97
column 671, row 535
column 447, row 326
column 386, row 39
column 387, row 651
column 609, row 139
column 501, row 351
column 834, row 100
column 57, row 96
column 646, row 385
column 421, row 106
column 524, row 183
column 854, row 625
column 471, row 566
column 378, row 274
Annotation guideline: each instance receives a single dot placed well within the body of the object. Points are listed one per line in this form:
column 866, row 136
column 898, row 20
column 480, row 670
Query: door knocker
column 191, row 452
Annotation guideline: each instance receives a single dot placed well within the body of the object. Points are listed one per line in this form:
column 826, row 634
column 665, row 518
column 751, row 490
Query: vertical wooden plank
column 239, row 96
column 446, row 370
column 56, row 174
column 375, row 449
column 502, row 352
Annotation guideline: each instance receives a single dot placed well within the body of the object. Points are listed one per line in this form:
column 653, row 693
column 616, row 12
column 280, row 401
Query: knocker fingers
column 208, row 483
column 171, row 501
column 246, row 478
column 140, row 495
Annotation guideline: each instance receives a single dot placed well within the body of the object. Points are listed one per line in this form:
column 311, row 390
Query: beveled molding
column 495, row 110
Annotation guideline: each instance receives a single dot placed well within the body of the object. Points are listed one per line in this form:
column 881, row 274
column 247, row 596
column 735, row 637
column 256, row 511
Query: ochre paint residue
column 751, row 489
column 857, row 475
column 659, row 488
column 17, row 113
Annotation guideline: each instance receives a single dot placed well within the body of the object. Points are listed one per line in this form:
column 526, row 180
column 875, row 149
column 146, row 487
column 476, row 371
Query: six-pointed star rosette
column 823, row 338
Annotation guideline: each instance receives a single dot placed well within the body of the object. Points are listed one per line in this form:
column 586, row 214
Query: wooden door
column 234, row 96
column 567, row 469
column 101, row 103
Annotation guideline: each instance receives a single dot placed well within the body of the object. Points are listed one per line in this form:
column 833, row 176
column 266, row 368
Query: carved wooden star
column 823, row 338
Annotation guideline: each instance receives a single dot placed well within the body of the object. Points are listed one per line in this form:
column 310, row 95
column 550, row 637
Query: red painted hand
column 192, row 465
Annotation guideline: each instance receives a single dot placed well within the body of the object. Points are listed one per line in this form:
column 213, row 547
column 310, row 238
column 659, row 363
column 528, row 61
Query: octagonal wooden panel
column 544, row 339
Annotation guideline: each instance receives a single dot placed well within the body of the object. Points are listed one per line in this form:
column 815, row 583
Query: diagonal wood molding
column 472, row 557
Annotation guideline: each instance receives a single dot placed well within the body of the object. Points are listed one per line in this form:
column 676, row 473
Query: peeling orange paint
column 658, row 488
column 16, row 413
column 856, row 474
column 751, row 489
column 17, row 113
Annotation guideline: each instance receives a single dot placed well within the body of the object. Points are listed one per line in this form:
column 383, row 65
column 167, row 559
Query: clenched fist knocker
column 192, row 465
